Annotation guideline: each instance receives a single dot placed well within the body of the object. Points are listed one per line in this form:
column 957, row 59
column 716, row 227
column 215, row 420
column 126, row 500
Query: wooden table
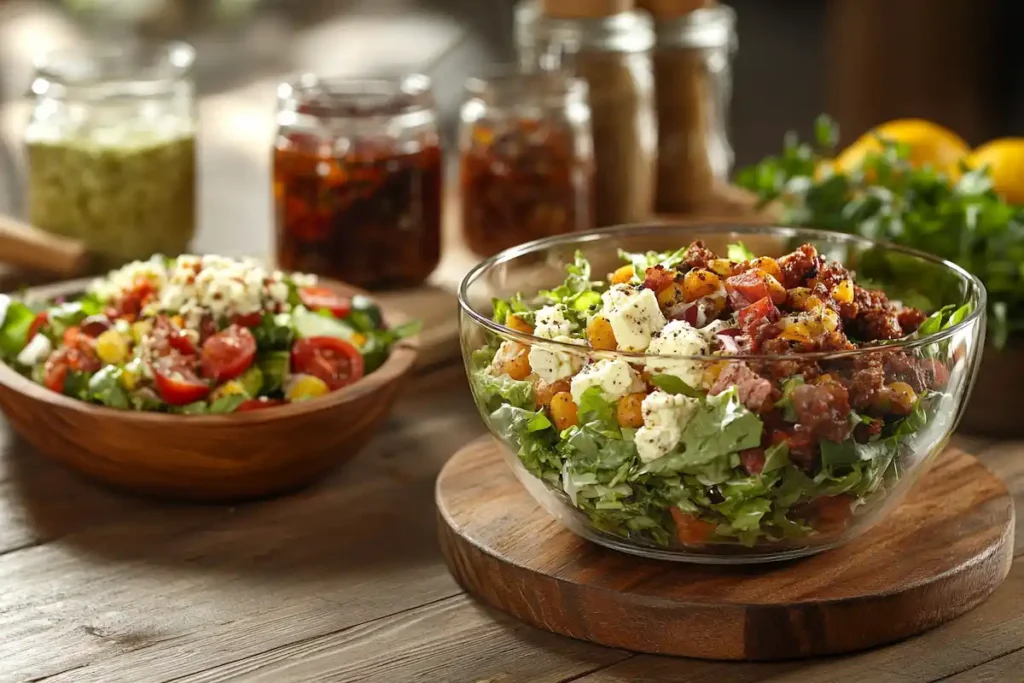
column 345, row 582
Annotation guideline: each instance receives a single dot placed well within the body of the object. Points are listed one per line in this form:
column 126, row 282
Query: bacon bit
column 658, row 278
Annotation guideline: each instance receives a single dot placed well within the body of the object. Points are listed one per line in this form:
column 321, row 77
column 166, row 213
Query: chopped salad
column 673, row 447
column 197, row 335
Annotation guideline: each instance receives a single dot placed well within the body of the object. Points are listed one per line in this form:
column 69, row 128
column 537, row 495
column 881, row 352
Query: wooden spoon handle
column 23, row 246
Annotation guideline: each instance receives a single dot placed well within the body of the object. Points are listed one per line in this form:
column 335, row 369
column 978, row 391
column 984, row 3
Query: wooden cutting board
column 938, row 555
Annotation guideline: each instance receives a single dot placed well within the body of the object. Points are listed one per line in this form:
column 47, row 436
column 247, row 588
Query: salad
column 692, row 399
column 197, row 335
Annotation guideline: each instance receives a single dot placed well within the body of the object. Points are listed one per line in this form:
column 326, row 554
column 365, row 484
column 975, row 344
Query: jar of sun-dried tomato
column 527, row 158
column 357, row 180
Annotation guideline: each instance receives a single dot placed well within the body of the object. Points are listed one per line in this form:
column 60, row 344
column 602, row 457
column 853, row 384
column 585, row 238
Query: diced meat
column 866, row 380
column 910, row 319
column 745, row 288
column 658, row 278
column 754, row 391
column 762, row 309
column 698, row 255
column 803, row 448
column 899, row 367
column 824, row 409
column 799, row 266
column 876, row 317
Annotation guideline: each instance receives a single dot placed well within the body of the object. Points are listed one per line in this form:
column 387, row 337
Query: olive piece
column 95, row 325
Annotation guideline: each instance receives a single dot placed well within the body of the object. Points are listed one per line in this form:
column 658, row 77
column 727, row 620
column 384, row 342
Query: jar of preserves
column 357, row 180
column 527, row 159
column 111, row 146
column 613, row 55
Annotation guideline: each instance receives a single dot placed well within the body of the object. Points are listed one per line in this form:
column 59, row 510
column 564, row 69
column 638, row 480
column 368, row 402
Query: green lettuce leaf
column 15, row 320
column 494, row 390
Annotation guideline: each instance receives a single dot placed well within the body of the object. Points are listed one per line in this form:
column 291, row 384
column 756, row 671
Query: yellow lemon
column 1005, row 158
column 930, row 145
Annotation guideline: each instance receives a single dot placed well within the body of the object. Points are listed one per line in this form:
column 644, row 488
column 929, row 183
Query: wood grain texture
column 205, row 457
column 937, row 556
column 23, row 246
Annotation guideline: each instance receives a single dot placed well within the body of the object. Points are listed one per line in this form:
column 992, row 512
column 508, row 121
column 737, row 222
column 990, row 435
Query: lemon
column 1005, row 158
column 930, row 145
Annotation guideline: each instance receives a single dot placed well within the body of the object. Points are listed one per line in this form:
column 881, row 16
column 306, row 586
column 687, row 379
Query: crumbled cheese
column 552, row 323
column 551, row 364
column 635, row 316
column 616, row 378
column 505, row 353
column 678, row 338
column 36, row 351
column 197, row 286
column 665, row 417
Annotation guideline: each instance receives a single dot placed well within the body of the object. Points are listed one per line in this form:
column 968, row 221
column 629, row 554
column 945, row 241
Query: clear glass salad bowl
column 839, row 440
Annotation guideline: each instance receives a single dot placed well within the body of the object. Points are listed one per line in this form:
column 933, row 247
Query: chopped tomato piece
column 228, row 353
column 761, row 309
column 132, row 302
column 259, row 404
column 831, row 513
column 55, row 372
column 181, row 342
column 752, row 460
column 746, row 288
column 95, row 325
column 318, row 298
column 658, row 278
column 335, row 361
column 691, row 530
column 249, row 319
column 177, row 383
column 41, row 319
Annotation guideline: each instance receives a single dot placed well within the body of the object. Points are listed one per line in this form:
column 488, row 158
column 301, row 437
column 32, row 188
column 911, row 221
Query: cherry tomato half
column 259, row 404
column 41, row 319
column 317, row 298
column 228, row 353
column 333, row 360
column 177, row 383
column 55, row 372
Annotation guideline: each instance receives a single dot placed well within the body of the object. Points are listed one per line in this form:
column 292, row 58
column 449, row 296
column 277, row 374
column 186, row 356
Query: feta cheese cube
column 36, row 351
column 679, row 338
column 665, row 417
column 635, row 316
column 552, row 323
column 615, row 378
column 552, row 364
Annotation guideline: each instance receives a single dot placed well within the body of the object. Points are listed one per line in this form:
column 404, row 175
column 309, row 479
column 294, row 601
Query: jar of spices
column 111, row 151
column 527, row 159
column 357, row 180
column 613, row 54
column 693, row 82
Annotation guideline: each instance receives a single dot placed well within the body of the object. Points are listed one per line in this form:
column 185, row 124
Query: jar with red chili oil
column 527, row 159
column 357, row 180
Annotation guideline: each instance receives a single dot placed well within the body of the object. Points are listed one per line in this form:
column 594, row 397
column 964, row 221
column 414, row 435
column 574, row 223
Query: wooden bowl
column 205, row 457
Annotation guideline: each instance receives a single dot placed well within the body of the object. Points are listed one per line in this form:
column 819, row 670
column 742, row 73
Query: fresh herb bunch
column 961, row 220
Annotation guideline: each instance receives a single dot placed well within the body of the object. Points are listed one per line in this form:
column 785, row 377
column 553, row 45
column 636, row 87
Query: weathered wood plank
column 991, row 630
column 1006, row 460
column 170, row 590
column 452, row 640
column 999, row 670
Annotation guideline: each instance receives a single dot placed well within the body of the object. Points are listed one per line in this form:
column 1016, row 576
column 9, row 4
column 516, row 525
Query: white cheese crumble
column 615, row 378
column 36, row 351
column 197, row 286
column 679, row 338
column 665, row 418
column 552, row 364
column 552, row 323
column 635, row 316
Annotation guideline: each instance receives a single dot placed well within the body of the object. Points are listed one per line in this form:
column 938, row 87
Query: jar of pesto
column 111, row 149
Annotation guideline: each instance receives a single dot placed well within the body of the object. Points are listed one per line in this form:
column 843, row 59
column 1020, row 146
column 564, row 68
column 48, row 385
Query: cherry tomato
column 249, row 319
column 259, row 404
column 55, row 372
column 689, row 529
column 228, row 353
column 180, row 342
column 316, row 298
column 41, row 319
column 177, row 383
column 333, row 360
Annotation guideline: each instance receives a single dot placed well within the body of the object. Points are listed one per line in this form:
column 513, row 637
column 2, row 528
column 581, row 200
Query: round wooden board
column 937, row 556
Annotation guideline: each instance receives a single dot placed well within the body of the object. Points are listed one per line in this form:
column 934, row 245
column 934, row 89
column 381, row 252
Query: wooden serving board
column 935, row 557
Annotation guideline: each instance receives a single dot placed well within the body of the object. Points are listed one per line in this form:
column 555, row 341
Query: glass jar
column 527, row 159
column 613, row 55
column 111, row 145
column 357, row 180
column 694, row 86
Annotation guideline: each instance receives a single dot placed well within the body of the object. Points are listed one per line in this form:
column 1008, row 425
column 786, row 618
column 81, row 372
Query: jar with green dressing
column 111, row 149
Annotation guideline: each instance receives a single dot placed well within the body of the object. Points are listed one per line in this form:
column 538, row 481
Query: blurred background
column 864, row 61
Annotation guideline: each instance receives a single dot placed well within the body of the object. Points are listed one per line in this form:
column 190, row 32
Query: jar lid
column 626, row 32
column 709, row 28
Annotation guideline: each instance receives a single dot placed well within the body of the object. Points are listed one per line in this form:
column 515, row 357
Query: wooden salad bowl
column 205, row 457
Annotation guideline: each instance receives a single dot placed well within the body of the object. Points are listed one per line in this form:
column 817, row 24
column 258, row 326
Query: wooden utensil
column 26, row 247
column 938, row 555
column 206, row 457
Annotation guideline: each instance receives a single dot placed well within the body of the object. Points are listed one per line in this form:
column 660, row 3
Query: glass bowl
column 742, row 485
